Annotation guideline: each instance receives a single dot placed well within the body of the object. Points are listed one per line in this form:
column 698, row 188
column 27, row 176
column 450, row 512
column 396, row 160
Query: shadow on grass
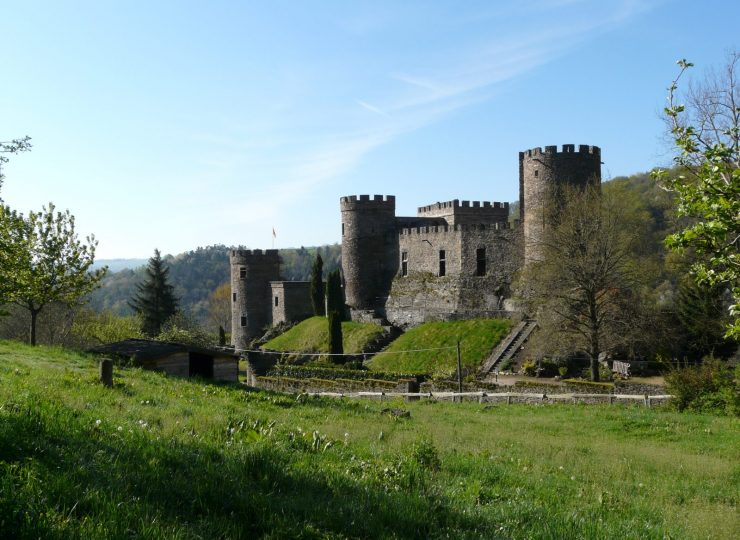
column 61, row 478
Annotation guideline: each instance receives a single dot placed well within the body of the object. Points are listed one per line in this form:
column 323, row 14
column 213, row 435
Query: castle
column 453, row 260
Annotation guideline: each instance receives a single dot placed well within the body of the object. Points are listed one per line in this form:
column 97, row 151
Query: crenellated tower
column 369, row 249
column 541, row 174
column 251, row 307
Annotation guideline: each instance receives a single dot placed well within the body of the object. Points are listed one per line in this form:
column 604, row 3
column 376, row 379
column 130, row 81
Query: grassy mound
column 157, row 457
column 312, row 335
column 477, row 339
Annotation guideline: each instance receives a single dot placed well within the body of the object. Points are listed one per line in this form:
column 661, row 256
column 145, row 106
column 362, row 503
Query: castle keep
column 453, row 260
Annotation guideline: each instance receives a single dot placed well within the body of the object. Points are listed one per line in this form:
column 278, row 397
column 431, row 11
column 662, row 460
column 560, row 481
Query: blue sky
column 183, row 124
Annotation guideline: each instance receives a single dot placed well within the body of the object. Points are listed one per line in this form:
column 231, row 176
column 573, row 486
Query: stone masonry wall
column 291, row 301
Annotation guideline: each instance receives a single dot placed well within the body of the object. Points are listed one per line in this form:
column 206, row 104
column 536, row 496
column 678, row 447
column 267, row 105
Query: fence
column 485, row 397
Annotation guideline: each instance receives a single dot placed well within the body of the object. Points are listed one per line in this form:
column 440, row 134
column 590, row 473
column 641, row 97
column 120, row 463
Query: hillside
column 165, row 458
column 436, row 344
column 312, row 335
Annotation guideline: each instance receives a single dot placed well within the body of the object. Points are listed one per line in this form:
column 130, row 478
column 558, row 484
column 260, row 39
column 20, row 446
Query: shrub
column 709, row 387
column 529, row 368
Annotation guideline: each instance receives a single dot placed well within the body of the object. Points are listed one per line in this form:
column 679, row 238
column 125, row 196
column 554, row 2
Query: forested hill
column 196, row 274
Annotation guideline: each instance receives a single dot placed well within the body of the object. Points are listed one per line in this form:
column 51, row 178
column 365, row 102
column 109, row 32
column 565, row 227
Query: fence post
column 611, row 399
column 459, row 370
column 647, row 401
column 106, row 372
column 508, row 399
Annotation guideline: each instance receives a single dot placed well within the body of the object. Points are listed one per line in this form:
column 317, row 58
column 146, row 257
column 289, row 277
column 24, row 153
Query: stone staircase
column 508, row 346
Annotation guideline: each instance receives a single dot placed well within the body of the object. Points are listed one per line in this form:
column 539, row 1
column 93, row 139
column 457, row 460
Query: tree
column 12, row 147
column 706, row 133
column 317, row 286
column 218, row 306
column 45, row 262
column 584, row 290
column 334, row 295
column 155, row 300
column 335, row 336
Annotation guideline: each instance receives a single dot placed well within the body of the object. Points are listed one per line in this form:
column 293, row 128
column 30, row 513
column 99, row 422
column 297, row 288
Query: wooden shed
column 176, row 359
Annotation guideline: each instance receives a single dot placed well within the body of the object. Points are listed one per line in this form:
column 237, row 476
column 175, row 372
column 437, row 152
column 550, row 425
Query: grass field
column 312, row 335
column 477, row 339
column 165, row 458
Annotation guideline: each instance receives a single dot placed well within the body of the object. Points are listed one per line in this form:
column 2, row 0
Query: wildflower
column 98, row 422
column 120, row 428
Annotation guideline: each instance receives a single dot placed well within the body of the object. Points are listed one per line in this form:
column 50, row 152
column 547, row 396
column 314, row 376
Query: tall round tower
column 251, row 308
column 540, row 175
column 369, row 249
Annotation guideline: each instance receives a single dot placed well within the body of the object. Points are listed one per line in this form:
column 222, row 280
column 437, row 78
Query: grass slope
column 312, row 335
column 477, row 339
column 165, row 458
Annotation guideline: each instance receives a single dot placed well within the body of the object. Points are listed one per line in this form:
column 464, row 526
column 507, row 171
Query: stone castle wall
column 291, row 301
column 541, row 173
column 251, row 306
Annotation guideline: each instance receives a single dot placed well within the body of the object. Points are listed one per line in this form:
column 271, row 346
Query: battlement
column 566, row 149
column 253, row 254
column 452, row 205
column 365, row 201
column 441, row 229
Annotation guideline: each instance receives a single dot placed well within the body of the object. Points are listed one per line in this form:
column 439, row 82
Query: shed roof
column 149, row 349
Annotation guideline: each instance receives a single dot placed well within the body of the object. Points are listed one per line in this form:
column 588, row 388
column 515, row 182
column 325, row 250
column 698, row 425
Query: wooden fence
column 485, row 397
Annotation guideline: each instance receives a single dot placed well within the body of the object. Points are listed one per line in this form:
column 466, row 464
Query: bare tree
column 584, row 291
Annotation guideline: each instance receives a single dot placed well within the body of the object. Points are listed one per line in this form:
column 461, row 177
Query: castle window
column 276, row 301
column 536, row 173
column 233, row 297
column 442, row 262
column 480, row 262
column 404, row 263
column 243, row 321
column 342, row 229
column 242, row 272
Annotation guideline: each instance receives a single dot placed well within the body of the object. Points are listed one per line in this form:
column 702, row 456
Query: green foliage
column 312, row 336
column 182, row 329
column 12, row 147
column 477, row 339
column 50, row 264
column 712, row 386
column 333, row 373
column 91, row 328
column 155, row 299
column 334, row 293
column 158, row 457
column 334, row 321
column 703, row 317
column 317, row 287
column 707, row 136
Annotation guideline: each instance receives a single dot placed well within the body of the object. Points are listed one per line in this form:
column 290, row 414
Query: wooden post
column 106, row 372
column 508, row 399
column 459, row 370
column 647, row 400
column 611, row 399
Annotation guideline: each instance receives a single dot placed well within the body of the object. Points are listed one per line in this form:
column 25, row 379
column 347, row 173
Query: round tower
column 541, row 173
column 251, row 307
column 369, row 249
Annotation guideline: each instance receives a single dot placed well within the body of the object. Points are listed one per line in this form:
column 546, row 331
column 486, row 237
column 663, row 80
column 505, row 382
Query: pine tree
column 317, row 286
column 155, row 299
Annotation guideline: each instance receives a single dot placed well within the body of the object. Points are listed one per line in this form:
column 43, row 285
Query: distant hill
column 195, row 274
column 116, row 265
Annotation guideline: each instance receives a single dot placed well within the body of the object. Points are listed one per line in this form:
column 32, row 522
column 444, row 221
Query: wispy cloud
column 371, row 108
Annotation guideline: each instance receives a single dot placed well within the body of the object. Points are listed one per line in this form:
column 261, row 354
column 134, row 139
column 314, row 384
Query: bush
column 709, row 387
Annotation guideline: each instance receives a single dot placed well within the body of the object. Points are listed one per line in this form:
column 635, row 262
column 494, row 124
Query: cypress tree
column 155, row 299
column 317, row 286
column 334, row 295
column 335, row 336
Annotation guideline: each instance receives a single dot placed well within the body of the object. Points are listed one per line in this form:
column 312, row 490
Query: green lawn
column 477, row 339
column 156, row 457
column 312, row 335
